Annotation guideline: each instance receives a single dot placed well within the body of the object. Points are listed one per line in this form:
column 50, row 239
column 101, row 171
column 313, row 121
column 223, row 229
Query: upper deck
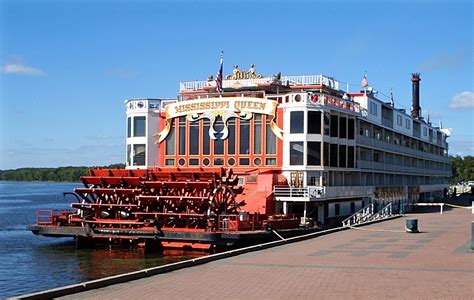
column 265, row 122
column 289, row 82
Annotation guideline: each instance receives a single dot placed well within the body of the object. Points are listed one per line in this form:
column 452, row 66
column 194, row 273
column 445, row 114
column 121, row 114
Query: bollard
column 472, row 235
column 411, row 225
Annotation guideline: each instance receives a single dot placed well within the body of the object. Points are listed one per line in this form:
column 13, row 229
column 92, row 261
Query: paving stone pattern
column 379, row 261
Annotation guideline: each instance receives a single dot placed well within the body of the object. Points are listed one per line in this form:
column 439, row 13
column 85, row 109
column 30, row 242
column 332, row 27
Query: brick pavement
column 376, row 262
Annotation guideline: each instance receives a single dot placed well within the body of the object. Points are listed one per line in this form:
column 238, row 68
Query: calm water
column 31, row 263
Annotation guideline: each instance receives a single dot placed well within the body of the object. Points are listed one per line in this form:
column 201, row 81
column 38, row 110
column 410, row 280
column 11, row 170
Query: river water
column 31, row 263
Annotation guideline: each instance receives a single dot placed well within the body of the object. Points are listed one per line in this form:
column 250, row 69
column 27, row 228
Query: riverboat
column 250, row 158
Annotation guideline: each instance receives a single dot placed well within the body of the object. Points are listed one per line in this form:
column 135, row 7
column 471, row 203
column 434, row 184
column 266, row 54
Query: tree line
column 463, row 168
column 50, row 174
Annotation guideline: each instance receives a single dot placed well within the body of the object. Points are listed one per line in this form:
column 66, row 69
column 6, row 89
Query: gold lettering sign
column 243, row 74
column 225, row 107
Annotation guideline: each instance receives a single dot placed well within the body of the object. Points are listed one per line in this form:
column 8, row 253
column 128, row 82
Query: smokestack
column 416, row 109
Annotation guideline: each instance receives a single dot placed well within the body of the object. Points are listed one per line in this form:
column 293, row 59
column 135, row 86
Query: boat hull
column 173, row 238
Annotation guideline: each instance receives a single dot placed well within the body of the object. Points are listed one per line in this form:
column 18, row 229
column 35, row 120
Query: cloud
column 462, row 100
column 447, row 60
column 21, row 69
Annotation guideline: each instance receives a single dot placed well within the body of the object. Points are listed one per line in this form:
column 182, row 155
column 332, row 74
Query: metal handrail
column 385, row 212
column 360, row 216
column 306, row 192
column 286, row 80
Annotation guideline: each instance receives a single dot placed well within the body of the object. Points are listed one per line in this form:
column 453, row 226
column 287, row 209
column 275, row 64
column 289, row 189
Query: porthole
column 298, row 98
column 231, row 161
column 206, row 161
column 181, row 161
column 257, row 161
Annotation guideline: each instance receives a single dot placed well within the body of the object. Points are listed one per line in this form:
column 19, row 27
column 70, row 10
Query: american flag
column 364, row 83
column 219, row 75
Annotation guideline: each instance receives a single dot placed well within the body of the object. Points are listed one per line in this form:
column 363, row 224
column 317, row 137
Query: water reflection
column 32, row 263
column 66, row 263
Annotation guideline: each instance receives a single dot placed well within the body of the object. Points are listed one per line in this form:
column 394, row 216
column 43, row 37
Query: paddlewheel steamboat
column 251, row 158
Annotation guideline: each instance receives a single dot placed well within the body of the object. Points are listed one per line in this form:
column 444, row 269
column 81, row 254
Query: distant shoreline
column 59, row 174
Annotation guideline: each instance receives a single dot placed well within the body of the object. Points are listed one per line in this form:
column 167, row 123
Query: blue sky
column 68, row 66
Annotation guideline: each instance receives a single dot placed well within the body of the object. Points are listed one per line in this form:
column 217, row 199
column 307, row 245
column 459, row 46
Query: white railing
column 291, row 192
column 308, row 192
column 365, row 164
column 310, row 80
column 368, row 214
column 348, row 191
column 383, row 213
column 382, row 145
column 301, row 80
column 195, row 85
column 360, row 216
column 284, row 80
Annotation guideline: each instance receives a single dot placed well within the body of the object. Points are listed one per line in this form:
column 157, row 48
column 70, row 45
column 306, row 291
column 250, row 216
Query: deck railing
column 299, row 192
column 48, row 217
column 284, row 80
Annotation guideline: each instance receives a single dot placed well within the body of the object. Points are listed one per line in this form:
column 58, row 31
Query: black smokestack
column 416, row 110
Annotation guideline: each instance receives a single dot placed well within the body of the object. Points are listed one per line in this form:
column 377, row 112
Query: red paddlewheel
column 223, row 200
column 169, row 197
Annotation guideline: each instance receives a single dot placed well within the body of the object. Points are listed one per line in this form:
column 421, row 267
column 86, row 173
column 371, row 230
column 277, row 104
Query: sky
column 66, row 67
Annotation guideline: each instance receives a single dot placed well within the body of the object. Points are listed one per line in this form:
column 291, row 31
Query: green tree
column 50, row 174
column 463, row 168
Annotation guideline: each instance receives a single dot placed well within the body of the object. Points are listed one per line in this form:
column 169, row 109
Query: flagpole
column 219, row 77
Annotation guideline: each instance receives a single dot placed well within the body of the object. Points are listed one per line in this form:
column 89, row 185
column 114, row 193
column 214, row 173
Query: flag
column 365, row 83
column 219, row 75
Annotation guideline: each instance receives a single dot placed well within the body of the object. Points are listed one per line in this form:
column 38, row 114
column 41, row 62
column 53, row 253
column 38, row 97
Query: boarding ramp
column 368, row 214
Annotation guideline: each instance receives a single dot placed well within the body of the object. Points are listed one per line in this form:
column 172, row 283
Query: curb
column 121, row 278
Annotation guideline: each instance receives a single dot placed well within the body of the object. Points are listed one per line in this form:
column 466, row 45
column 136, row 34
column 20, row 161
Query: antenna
column 392, row 102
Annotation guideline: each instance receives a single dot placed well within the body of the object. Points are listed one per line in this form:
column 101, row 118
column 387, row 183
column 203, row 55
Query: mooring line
column 278, row 235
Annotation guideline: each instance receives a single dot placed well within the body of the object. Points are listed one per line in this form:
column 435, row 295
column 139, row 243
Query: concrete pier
column 377, row 261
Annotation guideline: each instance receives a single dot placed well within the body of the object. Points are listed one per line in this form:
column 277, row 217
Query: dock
column 376, row 261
